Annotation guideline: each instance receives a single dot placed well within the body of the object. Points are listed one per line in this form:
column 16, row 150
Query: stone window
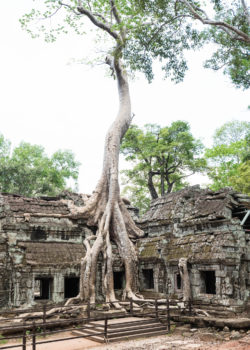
column 43, row 288
column 38, row 234
column 208, row 284
column 71, row 287
column 148, row 278
column 119, row 279
column 178, row 281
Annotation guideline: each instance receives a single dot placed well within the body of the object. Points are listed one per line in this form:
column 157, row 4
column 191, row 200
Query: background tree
column 240, row 182
column 226, row 23
column 228, row 159
column 30, row 172
column 162, row 158
column 135, row 189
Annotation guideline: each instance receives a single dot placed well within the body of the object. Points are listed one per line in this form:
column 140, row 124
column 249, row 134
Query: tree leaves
column 30, row 172
column 162, row 158
column 228, row 158
column 148, row 30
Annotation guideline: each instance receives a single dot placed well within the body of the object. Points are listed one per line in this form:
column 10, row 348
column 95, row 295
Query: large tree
column 162, row 158
column 120, row 21
column 124, row 24
column 27, row 170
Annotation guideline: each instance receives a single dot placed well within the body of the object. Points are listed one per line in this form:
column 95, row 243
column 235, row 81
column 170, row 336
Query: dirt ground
column 177, row 342
column 196, row 341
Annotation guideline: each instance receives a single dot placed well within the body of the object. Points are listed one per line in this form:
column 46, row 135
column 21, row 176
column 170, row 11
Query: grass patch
column 3, row 341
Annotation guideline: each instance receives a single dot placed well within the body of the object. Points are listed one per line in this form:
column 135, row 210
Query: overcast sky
column 45, row 100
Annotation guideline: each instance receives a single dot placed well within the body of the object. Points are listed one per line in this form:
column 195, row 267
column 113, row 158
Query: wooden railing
column 28, row 332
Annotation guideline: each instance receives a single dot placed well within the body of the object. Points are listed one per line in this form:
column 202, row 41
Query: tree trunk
column 106, row 209
column 170, row 187
column 151, row 187
column 162, row 184
column 185, row 279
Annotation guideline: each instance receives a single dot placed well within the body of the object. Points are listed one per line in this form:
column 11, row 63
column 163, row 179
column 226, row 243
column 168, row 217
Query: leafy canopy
column 30, row 172
column 137, row 30
column 161, row 158
column 223, row 22
column 146, row 30
column 228, row 158
column 240, row 182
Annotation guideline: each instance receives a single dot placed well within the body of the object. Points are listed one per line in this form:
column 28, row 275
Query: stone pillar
column 185, row 279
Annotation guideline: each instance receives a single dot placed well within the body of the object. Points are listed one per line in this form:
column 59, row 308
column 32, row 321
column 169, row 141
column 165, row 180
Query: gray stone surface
column 39, row 239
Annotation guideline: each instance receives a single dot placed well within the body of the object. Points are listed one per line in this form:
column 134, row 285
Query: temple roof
column 195, row 203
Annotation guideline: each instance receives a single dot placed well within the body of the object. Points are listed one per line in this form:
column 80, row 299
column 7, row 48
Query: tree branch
column 182, row 177
column 103, row 18
column 52, row 14
column 70, row 7
column 162, row 25
column 228, row 28
column 117, row 18
column 115, row 12
column 246, row 11
column 174, row 167
column 97, row 23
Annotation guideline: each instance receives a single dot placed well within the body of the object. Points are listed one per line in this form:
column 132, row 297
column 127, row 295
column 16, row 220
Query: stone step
column 122, row 330
column 124, row 324
column 125, row 329
column 137, row 331
column 122, row 335
column 139, row 335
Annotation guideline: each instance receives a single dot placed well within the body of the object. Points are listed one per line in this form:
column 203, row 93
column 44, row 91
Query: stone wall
column 204, row 227
column 41, row 246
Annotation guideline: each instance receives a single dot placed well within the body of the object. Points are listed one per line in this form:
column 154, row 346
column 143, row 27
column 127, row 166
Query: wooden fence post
column 168, row 314
column 88, row 310
column 24, row 337
column 34, row 336
column 44, row 319
column 131, row 307
column 106, row 327
column 156, row 309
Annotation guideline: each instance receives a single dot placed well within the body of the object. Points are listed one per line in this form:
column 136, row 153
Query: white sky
column 46, row 101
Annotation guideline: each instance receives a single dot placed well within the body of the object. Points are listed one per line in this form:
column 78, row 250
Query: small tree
column 30, row 172
column 162, row 158
column 226, row 157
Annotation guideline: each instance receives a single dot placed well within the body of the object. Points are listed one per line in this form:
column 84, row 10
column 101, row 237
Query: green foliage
column 165, row 34
column 232, row 132
column 232, row 53
column 30, row 172
column 228, row 158
column 146, row 38
column 153, row 29
column 135, row 189
column 162, row 159
column 3, row 341
column 240, row 182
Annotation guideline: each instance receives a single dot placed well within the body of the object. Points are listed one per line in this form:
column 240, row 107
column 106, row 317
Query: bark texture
column 185, row 279
column 107, row 211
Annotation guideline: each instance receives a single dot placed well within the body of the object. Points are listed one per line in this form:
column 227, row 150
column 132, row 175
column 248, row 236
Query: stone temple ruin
column 41, row 247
